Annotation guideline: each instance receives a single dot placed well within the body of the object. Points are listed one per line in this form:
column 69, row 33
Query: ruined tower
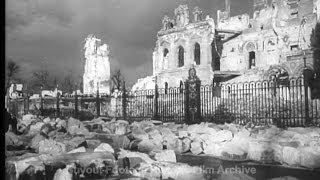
column 97, row 67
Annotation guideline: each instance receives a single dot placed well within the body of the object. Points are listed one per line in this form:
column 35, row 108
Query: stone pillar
column 173, row 58
column 204, row 52
column 189, row 51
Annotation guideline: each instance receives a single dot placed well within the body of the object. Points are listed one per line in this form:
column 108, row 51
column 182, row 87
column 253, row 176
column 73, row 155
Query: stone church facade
column 275, row 40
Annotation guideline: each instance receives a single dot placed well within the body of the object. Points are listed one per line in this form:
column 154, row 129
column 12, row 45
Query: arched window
column 197, row 53
column 165, row 88
column 165, row 52
column 180, row 56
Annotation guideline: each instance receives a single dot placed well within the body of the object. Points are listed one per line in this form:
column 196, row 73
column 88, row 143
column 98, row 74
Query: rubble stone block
column 80, row 149
column 28, row 119
column 291, row 155
column 148, row 146
column 64, row 174
column 223, row 135
column 166, row 155
column 196, row 147
column 104, row 147
column 310, row 157
column 76, row 127
column 51, row 147
column 34, row 129
column 145, row 157
column 12, row 139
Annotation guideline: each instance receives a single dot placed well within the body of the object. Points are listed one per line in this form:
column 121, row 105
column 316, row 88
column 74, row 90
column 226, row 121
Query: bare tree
column 68, row 84
column 41, row 78
column 12, row 69
column 117, row 80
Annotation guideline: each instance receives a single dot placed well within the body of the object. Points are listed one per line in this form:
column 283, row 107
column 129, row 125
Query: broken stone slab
column 15, row 166
column 78, row 150
column 104, row 147
column 156, row 122
column 51, row 147
column 46, row 120
column 36, row 128
column 256, row 149
column 116, row 141
column 121, row 129
column 64, row 174
column 310, row 157
column 28, row 119
column 147, row 146
column 166, row 156
column 75, row 126
column 138, row 133
column 34, row 144
column 223, row 135
column 154, row 134
column 201, row 129
column 167, row 134
column 291, row 156
column 179, row 145
column 145, row 157
column 72, row 142
column 61, row 123
column 183, row 134
column 92, row 143
column 233, row 151
column 12, row 139
column 196, row 147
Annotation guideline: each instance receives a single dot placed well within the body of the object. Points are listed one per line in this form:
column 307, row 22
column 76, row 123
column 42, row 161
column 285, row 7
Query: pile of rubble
column 147, row 149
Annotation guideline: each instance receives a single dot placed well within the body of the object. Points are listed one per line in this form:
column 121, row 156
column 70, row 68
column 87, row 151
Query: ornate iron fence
column 261, row 102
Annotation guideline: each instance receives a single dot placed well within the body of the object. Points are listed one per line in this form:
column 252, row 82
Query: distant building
column 274, row 40
column 15, row 91
column 97, row 67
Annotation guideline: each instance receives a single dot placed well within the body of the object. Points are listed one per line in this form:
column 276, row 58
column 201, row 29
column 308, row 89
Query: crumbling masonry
column 274, row 40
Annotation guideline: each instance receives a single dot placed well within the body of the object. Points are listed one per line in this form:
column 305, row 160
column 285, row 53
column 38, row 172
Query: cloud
column 54, row 30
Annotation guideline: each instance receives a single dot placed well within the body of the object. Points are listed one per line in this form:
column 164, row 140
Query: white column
column 189, row 53
column 173, row 60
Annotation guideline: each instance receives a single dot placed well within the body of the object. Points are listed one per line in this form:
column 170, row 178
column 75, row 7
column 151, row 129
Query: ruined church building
column 275, row 39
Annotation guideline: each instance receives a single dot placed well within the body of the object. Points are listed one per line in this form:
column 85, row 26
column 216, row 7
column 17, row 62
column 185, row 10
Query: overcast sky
column 51, row 33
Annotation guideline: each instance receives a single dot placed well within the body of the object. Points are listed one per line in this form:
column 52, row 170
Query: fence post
column 41, row 102
column 98, row 102
column 192, row 99
column 76, row 105
column 156, row 95
column 26, row 110
column 58, row 104
column 124, row 101
column 306, row 97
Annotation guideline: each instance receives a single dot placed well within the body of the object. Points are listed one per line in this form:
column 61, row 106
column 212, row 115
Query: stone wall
column 274, row 36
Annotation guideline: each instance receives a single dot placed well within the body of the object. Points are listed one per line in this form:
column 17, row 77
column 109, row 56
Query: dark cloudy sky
column 50, row 33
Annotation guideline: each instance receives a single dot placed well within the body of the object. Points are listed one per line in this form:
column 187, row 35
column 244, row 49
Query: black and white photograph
column 161, row 89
